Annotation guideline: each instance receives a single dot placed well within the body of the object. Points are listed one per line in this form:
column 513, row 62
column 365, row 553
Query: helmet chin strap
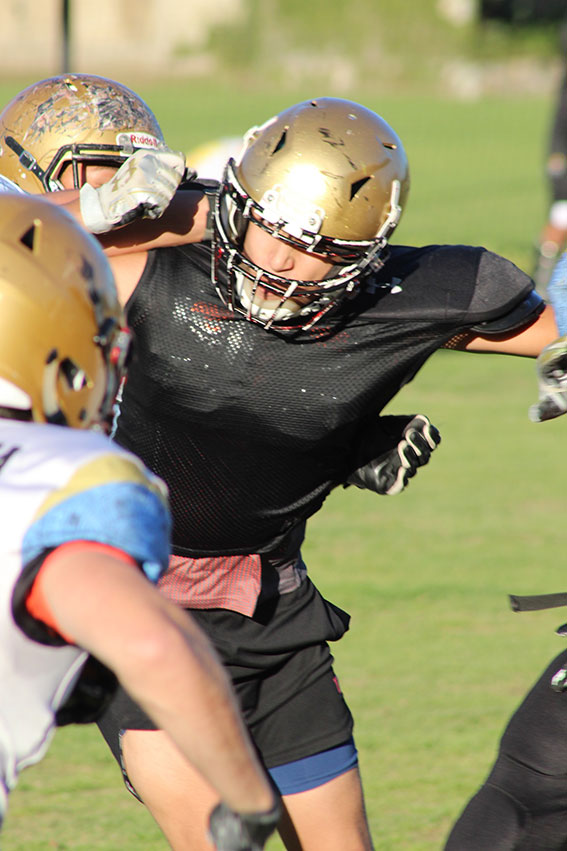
column 27, row 160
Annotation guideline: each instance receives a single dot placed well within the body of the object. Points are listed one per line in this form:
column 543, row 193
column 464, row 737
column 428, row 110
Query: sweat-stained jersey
column 58, row 485
column 251, row 429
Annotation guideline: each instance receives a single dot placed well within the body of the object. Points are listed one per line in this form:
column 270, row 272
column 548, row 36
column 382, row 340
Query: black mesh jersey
column 251, row 429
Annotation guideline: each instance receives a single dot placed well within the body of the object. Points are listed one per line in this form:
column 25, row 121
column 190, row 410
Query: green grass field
column 434, row 662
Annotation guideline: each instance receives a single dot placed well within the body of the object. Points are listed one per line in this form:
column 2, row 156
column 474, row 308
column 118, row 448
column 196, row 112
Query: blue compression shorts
column 315, row 770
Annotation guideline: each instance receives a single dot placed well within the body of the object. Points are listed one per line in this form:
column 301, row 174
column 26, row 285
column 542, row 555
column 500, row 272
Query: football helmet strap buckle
column 27, row 160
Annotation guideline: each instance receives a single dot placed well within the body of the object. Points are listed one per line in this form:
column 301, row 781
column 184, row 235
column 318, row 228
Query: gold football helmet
column 329, row 177
column 70, row 119
column 63, row 339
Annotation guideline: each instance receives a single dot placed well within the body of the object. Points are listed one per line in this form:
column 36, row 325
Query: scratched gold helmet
column 328, row 176
column 63, row 339
column 72, row 118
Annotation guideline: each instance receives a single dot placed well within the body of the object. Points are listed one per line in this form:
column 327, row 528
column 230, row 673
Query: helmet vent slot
column 357, row 185
column 29, row 237
column 390, row 145
column 281, row 142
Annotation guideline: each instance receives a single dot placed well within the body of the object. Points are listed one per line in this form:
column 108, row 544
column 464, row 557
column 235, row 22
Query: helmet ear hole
column 74, row 377
column 60, row 317
column 60, row 372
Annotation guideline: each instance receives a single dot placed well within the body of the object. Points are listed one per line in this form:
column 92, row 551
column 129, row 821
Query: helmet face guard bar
column 81, row 152
column 302, row 319
column 326, row 294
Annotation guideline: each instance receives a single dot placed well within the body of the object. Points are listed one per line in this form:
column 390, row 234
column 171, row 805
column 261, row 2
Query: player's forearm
column 164, row 661
column 184, row 689
column 183, row 222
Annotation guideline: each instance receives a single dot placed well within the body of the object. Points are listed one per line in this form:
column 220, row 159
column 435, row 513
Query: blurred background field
column 435, row 661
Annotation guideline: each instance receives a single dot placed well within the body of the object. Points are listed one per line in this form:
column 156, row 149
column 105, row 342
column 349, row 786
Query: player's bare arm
column 526, row 342
column 184, row 221
column 163, row 660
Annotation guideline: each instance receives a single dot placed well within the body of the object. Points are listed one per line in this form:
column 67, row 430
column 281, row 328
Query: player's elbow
column 152, row 647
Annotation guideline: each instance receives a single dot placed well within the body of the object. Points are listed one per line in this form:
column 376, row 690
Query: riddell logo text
column 143, row 141
column 138, row 140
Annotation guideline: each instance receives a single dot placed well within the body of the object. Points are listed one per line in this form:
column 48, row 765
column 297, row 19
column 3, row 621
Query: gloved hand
column 231, row 831
column 390, row 472
column 142, row 187
column 551, row 367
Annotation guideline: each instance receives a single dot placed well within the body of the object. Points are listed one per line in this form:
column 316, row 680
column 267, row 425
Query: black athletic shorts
column 281, row 669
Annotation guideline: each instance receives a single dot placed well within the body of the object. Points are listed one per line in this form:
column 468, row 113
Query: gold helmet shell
column 69, row 119
column 331, row 162
column 328, row 176
column 63, row 339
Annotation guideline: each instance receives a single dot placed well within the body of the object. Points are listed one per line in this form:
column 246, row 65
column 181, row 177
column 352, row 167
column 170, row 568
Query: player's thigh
column 176, row 795
column 330, row 817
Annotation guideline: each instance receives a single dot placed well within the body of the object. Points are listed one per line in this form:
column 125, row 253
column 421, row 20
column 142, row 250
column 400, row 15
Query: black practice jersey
column 251, row 429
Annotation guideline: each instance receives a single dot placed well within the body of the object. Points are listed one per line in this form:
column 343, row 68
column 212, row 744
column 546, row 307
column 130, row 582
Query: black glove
column 231, row 831
column 390, row 472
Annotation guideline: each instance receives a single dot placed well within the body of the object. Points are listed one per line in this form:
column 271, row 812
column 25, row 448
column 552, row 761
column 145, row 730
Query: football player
column 289, row 329
column 85, row 535
column 522, row 805
column 267, row 350
column 58, row 129
column 54, row 128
